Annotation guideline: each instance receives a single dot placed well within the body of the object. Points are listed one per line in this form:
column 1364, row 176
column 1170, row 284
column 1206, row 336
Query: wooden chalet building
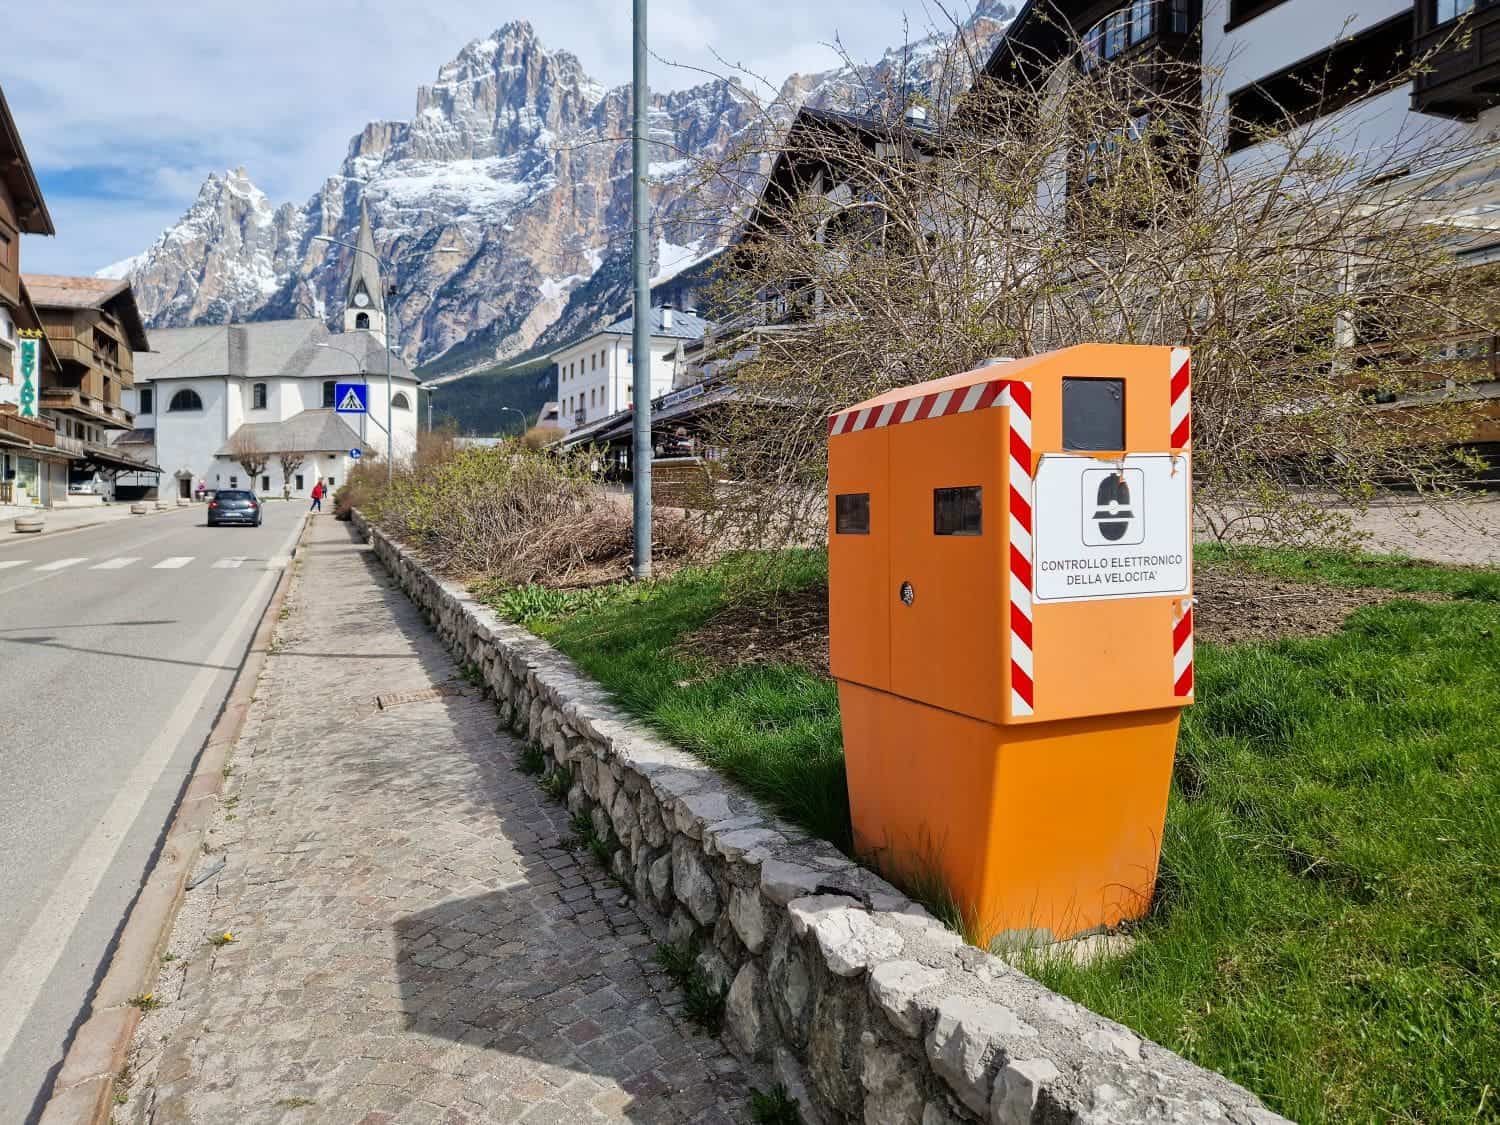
column 95, row 329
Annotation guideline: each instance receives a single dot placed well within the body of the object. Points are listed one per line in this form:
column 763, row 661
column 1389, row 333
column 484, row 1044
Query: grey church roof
column 685, row 325
column 312, row 431
column 365, row 269
column 262, row 349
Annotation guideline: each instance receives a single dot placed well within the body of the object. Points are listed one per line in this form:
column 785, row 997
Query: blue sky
column 126, row 105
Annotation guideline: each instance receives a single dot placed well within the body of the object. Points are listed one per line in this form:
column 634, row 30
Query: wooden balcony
column 71, row 400
column 1460, row 62
column 34, row 430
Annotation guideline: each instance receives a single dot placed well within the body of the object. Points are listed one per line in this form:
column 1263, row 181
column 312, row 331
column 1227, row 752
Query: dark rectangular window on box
column 957, row 511
column 852, row 513
column 1093, row 414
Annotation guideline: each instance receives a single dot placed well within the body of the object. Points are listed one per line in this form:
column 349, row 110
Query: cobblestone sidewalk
column 410, row 942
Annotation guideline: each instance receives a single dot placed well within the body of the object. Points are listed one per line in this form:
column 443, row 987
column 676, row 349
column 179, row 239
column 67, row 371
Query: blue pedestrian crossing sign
column 351, row 398
column 356, row 453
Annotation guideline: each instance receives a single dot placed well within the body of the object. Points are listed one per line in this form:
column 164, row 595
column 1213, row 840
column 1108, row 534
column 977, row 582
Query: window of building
column 1242, row 10
column 328, row 394
column 1142, row 19
column 148, row 401
column 361, row 320
column 400, row 401
column 1445, row 10
column 1323, row 83
column 185, row 400
column 265, row 484
column 298, row 479
column 258, row 397
column 330, row 484
column 958, row 511
column 234, row 481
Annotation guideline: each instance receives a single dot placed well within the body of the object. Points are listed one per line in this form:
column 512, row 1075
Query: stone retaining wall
column 865, row 1006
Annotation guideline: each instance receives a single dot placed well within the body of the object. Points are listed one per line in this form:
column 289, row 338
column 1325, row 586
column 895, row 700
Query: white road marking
column 229, row 563
column 37, row 953
column 61, row 564
column 8, row 563
column 117, row 564
column 176, row 562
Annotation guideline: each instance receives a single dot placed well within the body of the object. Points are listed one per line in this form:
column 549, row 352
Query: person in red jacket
column 317, row 497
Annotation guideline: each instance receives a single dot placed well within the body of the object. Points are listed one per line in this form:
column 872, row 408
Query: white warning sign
column 1111, row 529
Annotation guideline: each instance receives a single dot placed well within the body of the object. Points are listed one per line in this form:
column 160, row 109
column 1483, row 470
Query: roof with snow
column 264, row 349
column 685, row 325
column 312, row 431
column 365, row 274
column 114, row 296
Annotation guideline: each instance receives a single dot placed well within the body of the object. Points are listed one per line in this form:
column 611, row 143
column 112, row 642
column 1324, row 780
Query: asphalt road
column 118, row 646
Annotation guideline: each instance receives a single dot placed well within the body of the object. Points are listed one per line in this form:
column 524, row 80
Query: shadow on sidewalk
column 549, row 975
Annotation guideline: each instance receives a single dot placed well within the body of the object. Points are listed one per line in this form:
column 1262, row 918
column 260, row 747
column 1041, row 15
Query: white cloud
column 158, row 93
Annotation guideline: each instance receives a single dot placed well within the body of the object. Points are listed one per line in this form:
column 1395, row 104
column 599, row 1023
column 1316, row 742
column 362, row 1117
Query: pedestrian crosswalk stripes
column 175, row 562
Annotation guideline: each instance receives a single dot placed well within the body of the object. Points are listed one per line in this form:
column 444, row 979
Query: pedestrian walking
column 317, row 497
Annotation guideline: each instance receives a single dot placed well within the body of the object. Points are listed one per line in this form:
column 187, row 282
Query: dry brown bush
column 509, row 513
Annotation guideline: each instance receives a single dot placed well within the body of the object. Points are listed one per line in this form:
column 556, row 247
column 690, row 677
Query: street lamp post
column 640, row 216
column 519, row 414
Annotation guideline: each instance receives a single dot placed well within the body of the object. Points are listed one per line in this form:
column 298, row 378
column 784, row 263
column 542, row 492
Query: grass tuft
column 531, row 761
column 774, row 1107
column 557, row 783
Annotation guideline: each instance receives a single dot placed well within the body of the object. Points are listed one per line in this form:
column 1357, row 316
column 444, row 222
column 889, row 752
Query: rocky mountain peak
column 501, row 208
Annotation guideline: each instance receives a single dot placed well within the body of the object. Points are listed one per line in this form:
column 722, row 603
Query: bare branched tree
column 245, row 448
column 1314, row 278
column 291, row 460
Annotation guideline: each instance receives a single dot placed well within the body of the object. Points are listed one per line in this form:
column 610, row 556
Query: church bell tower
column 364, row 306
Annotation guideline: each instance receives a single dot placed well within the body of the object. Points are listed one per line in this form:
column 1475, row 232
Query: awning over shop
column 105, row 459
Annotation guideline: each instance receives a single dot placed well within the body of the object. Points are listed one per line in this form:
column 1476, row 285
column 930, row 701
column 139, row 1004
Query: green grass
column 1327, row 925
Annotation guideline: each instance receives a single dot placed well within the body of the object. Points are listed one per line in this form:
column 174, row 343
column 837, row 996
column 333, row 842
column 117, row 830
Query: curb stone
column 869, row 1009
column 83, row 1092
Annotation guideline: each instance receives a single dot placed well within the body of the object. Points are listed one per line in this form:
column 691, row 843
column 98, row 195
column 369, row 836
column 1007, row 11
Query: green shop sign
column 31, row 360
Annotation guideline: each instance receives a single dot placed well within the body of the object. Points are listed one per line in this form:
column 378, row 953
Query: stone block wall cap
column 896, row 985
column 848, row 938
column 781, row 882
column 967, row 1036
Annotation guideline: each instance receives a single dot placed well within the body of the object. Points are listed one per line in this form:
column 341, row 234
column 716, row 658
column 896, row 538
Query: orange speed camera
column 1010, row 602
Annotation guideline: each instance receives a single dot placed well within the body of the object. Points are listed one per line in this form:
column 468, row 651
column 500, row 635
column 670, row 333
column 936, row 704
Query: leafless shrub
column 1314, row 278
column 510, row 513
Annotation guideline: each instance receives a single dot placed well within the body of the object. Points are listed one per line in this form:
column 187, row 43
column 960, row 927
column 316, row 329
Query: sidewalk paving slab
column 411, row 943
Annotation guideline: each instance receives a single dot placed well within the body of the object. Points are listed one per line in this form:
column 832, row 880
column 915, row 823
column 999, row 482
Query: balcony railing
column 1459, row 60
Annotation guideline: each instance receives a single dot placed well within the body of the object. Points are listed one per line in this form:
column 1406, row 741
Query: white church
column 204, row 394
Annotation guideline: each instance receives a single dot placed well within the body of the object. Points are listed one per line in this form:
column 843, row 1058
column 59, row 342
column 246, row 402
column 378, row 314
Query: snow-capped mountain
column 507, row 193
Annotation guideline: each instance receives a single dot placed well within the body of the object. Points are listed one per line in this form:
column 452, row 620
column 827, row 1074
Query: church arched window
column 400, row 401
column 362, row 320
column 185, row 400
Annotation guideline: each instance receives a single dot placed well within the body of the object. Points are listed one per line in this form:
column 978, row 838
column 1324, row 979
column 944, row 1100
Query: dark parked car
column 232, row 506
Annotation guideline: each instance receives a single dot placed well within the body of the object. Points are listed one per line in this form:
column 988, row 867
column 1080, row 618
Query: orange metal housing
column 1020, row 747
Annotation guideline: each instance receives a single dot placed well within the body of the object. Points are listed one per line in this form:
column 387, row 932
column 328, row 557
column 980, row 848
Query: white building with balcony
column 595, row 376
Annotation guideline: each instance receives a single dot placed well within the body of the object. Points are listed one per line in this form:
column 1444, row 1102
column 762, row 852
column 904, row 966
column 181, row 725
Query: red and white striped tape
column 1017, row 396
column 1181, row 417
column 919, row 409
column 1182, row 653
